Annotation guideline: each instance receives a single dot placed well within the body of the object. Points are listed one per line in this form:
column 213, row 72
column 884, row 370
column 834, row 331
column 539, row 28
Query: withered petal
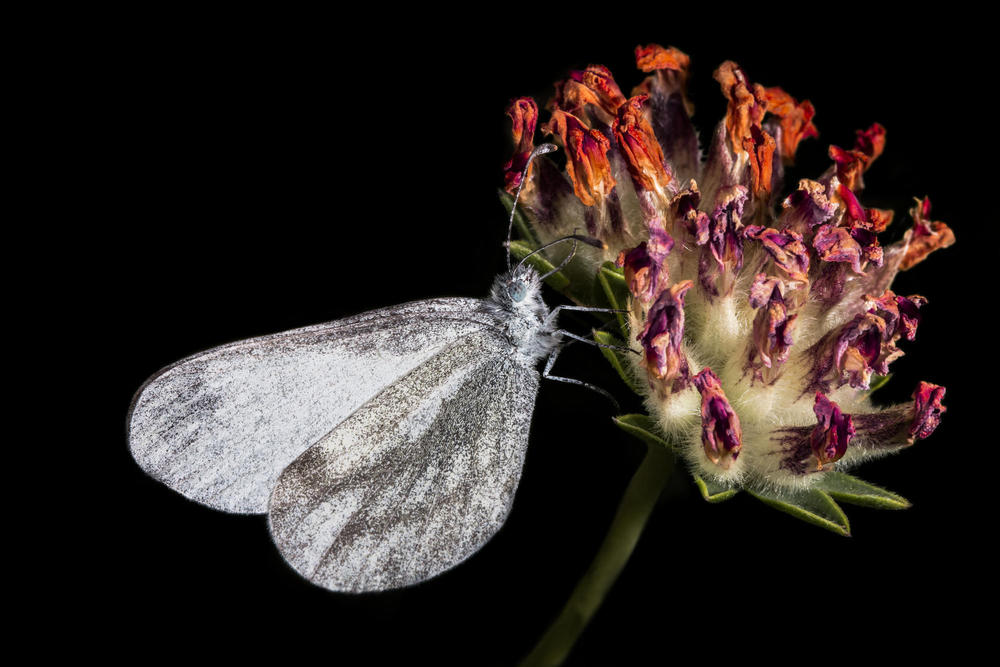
column 871, row 142
column 598, row 79
column 926, row 236
column 586, row 157
column 835, row 244
column 663, row 334
column 721, row 433
column 523, row 113
column 786, row 250
column 833, row 431
column 642, row 151
column 654, row 57
column 806, row 208
column 795, row 118
column 927, row 410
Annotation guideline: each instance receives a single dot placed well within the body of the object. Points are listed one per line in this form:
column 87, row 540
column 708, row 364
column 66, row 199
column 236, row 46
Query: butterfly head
column 516, row 299
column 519, row 291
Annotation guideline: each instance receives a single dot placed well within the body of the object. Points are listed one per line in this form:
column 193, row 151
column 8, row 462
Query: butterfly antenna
column 542, row 149
column 589, row 240
column 567, row 260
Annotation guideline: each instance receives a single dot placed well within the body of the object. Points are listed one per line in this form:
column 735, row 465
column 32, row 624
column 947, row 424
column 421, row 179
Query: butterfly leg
column 587, row 309
column 582, row 339
column 580, row 383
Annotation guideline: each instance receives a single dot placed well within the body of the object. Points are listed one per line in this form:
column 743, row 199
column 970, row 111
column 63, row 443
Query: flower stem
column 623, row 534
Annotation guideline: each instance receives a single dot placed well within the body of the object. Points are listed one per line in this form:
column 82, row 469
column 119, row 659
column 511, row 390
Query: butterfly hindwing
column 417, row 479
column 220, row 426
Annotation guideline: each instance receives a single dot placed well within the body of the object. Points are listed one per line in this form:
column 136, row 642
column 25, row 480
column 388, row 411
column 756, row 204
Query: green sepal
column 880, row 382
column 617, row 359
column 642, row 427
column 811, row 505
column 557, row 281
column 612, row 279
column 712, row 491
column 848, row 489
column 521, row 224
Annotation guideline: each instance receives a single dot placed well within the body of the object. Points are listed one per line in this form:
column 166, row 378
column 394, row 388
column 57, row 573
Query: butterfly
column 385, row 448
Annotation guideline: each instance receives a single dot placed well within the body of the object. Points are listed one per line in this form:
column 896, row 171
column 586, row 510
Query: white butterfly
column 385, row 448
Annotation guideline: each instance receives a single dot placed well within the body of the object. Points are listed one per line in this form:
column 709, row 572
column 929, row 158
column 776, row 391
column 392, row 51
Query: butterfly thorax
column 517, row 300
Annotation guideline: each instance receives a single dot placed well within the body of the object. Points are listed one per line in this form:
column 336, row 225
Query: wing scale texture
column 417, row 479
column 220, row 426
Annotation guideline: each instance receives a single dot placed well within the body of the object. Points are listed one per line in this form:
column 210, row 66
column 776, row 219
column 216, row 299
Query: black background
column 277, row 173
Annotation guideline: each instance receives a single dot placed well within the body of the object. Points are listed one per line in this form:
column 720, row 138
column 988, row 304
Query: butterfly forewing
column 417, row 479
column 220, row 426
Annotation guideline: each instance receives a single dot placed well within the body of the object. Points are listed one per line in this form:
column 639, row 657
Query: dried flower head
column 764, row 317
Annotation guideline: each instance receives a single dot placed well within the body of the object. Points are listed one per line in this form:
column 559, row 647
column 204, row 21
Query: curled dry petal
column 669, row 109
column 866, row 239
column 859, row 350
column 684, row 210
column 879, row 218
column 786, row 249
column 591, row 93
column 862, row 222
column 849, row 165
column 760, row 146
column 927, row 410
column 747, row 105
column 642, row 151
column 901, row 314
column 926, row 236
column 901, row 425
column 663, row 335
column 653, row 57
column 871, row 142
column 833, row 431
column 641, row 272
column 795, row 119
column 854, row 212
column 763, row 288
column 773, row 329
column 586, row 157
column 573, row 97
column 862, row 230
column 598, row 79
column 523, row 114
column 867, row 343
column 660, row 242
column 671, row 70
column 856, row 296
column 722, row 256
column 645, row 267
column 852, row 353
column 721, row 433
column 806, row 208
column 836, row 244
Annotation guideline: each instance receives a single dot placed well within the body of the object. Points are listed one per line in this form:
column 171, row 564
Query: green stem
column 623, row 534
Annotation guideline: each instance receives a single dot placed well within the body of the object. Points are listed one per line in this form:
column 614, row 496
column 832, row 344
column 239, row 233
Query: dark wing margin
column 416, row 480
column 220, row 426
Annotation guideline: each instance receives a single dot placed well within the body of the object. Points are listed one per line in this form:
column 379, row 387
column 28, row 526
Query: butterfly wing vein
column 220, row 426
column 386, row 447
column 417, row 479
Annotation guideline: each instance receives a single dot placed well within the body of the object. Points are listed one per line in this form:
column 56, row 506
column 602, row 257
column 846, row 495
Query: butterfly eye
column 517, row 290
